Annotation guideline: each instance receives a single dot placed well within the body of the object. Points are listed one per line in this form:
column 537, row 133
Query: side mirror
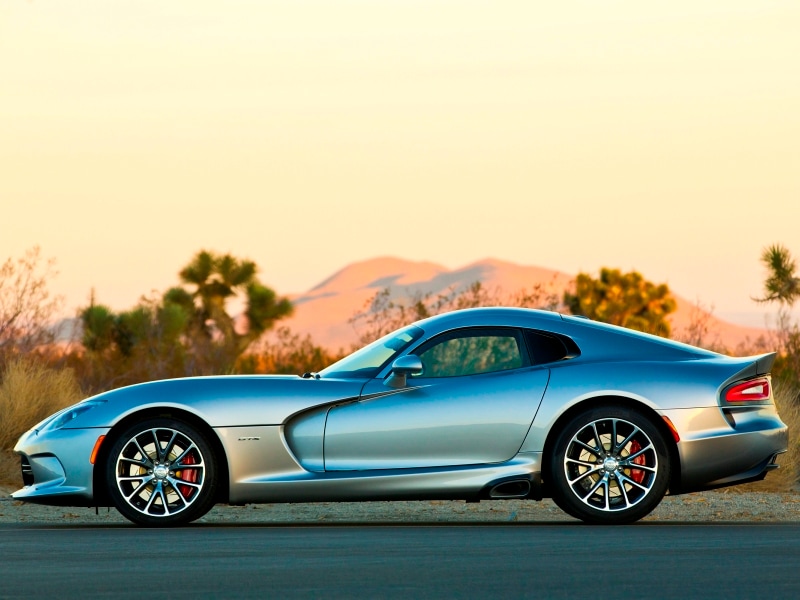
column 410, row 364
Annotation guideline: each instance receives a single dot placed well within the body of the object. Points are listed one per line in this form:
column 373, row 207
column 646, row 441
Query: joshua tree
column 218, row 278
column 782, row 285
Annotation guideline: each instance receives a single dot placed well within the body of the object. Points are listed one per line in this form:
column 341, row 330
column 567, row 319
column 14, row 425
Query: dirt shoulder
column 707, row 507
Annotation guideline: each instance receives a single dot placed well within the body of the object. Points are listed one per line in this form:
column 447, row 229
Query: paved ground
column 706, row 507
column 506, row 560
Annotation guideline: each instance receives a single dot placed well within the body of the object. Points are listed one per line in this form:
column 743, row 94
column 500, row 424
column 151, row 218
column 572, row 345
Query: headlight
column 66, row 416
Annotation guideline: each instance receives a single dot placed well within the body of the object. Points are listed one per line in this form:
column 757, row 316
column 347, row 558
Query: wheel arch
column 610, row 400
column 98, row 483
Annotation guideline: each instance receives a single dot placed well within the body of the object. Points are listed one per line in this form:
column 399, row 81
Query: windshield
column 367, row 362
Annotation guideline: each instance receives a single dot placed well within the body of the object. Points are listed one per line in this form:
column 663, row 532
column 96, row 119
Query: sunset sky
column 308, row 134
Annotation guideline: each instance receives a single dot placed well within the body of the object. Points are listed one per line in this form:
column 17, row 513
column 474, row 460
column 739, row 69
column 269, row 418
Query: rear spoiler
column 751, row 366
column 764, row 362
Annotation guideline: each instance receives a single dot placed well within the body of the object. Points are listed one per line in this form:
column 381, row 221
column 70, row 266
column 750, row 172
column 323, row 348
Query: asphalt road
column 389, row 561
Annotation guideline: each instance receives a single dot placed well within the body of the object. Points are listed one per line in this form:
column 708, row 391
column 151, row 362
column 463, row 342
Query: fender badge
column 249, row 439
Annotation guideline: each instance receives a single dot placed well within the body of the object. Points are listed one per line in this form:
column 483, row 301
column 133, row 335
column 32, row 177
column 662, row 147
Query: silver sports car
column 479, row 404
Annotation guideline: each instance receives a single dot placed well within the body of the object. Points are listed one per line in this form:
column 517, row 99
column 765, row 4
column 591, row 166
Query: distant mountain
column 324, row 311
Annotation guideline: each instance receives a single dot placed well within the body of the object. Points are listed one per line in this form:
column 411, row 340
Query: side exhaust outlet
column 518, row 488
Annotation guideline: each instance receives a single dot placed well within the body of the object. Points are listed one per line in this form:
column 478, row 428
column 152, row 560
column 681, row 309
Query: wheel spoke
column 175, row 482
column 164, row 500
column 621, row 488
column 589, row 448
column 157, row 444
column 583, row 463
column 631, row 465
column 595, row 487
column 638, row 453
column 145, row 457
column 170, row 484
column 177, row 462
column 626, row 479
column 583, row 475
column 152, row 498
column 602, row 482
column 600, row 446
column 144, row 464
column 140, row 488
column 145, row 477
column 613, row 449
column 168, row 447
column 626, row 441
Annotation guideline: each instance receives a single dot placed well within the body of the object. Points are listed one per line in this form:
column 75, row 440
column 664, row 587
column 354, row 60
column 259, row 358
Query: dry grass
column 787, row 478
column 10, row 478
column 786, row 398
column 29, row 392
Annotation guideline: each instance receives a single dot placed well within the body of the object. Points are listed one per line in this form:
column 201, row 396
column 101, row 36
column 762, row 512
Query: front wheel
column 609, row 465
column 161, row 472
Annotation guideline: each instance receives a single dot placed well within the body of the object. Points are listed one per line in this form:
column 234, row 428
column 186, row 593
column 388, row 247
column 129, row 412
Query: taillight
column 755, row 390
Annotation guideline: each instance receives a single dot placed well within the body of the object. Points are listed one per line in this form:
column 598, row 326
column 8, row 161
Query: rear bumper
column 720, row 448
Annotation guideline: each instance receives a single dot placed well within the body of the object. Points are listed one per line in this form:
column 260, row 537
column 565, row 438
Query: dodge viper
column 479, row 404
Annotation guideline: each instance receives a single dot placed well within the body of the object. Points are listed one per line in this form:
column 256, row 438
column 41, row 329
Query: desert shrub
column 787, row 477
column 286, row 352
column 787, row 365
column 625, row 299
column 29, row 392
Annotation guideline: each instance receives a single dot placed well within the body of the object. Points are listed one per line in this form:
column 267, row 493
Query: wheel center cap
column 610, row 464
column 161, row 472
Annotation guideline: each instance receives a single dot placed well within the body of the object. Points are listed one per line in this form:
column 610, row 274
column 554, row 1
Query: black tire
column 161, row 472
column 605, row 485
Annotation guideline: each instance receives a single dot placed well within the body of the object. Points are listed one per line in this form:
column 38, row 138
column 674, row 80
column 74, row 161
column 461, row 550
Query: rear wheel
column 161, row 472
column 609, row 465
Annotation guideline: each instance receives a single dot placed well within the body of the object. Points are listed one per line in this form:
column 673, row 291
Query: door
column 473, row 404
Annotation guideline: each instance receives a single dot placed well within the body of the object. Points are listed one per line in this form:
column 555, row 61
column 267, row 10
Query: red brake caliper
column 637, row 474
column 189, row 475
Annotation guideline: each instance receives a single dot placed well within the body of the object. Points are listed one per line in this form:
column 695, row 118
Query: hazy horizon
column 764, row 317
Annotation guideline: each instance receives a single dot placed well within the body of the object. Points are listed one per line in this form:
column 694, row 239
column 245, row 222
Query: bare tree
column 391, row 309
column 26, row 305
column 700, row 330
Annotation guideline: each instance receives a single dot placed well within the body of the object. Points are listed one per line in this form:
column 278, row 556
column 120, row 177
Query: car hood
column 228, row 401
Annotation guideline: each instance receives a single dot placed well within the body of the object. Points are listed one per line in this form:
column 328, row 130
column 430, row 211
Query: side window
column 547, row 348
column 471, row 352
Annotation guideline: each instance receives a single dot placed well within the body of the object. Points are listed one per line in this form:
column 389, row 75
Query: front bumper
column 56, row 466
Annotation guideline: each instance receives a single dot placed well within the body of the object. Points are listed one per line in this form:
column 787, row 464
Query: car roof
column 593, row 338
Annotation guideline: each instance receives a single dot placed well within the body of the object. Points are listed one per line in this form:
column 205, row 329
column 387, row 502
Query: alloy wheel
column 160, row 472
column 610, row 464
